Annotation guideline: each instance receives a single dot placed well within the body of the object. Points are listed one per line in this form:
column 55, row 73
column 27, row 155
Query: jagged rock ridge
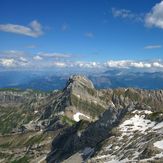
column 86, row 124
column 116, row 134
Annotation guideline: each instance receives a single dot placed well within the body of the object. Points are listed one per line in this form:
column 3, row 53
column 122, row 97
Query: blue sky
column 81, row 33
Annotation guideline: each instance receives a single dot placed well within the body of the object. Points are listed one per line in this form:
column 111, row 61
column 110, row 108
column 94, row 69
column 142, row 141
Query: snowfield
column 136, row 123
column 76, row 116
column 142, row 111
column 159, row 144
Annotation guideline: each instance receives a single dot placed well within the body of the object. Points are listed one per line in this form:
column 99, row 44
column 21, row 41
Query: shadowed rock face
column 112, row 123
column 84, row 135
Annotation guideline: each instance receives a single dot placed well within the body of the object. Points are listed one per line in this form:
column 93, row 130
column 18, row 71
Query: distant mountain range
column 48, row 81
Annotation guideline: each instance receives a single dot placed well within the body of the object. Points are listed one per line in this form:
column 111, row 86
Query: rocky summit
column 81, row 124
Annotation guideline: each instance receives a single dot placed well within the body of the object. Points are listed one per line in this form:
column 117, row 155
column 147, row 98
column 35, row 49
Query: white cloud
column 118, row 64
column 82, row 64
column 126, row 14
column 157, row 65
column 155, row 17
column 60, row 64
column 153, row 47
column 77, row 64
column 7, row 62
column 34, row 29
column 37, row 57
column 14, row 62
column 13, row 58
column 137, row 64
column 127, row 64
column 54, row 55
column 147, row 65
column 23, row 59
column 133, row 64
column 122, row 13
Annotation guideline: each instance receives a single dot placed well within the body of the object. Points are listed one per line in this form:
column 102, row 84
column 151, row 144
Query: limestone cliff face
column 78, row 97
column 83, row 98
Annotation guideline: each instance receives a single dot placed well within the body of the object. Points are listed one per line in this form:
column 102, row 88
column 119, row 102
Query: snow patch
column 159, row 155
column 116, row 147
column 147, row 112
column 77, row 116
column 108, row 147
column 159, row 144
column 142, row 111
column 136, row 123
column 78, row 96
column 36, row 111
column 112, row 104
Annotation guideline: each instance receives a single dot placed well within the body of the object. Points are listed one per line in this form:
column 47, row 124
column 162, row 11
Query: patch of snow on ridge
column 36, row 111
column 112, row 104
column 142, row 111
column 147, row 112
column 77, row 115
column 159, row 144
column 136, row 123
column 78, row 96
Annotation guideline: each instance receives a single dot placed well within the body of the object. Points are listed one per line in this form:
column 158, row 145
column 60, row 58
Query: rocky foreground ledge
column 81, row 124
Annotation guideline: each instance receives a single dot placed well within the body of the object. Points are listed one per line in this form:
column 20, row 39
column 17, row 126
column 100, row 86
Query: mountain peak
column 80, row 80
